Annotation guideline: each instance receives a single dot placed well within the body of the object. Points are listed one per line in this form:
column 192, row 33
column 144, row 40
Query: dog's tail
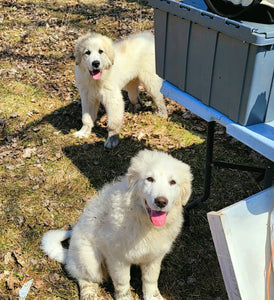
column 51, row 244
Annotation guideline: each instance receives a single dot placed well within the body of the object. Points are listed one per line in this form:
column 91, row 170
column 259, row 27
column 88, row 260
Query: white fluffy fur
column 123, row 65
column 51, row 244
column 115, row 229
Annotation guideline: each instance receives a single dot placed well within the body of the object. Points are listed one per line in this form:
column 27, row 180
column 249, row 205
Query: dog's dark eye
column 172, row 182
column 150, row 179
column 87, row 52
column 100, row 51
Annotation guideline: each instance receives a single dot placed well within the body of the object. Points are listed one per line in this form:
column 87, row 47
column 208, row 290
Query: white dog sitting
column 103, row 68
column 134, row 220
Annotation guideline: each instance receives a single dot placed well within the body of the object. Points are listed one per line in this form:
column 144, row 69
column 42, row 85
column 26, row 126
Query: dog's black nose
column 96, row 63
column 161, row 201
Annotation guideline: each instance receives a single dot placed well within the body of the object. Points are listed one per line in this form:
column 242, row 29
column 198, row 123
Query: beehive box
column 226, row 64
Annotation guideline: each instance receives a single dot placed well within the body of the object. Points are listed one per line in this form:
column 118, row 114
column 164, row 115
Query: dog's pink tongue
column 97, row 75
column 158, row 218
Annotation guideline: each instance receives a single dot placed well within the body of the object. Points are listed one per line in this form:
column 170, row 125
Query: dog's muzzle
column 95, row 73
column 157, row 217
column 95, row 70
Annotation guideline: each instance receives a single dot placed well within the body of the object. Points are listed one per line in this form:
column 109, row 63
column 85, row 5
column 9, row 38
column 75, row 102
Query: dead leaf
column 38, row 284
column 191, row 280
column 54, row 277
column 18, row 258
column 35, row 129
column 5, row 153
column 14, row 115
column 140, row 135
column 28, row 152
column 8, row 258
column 36, row 187
column 10, row 167
column 58, row 155
column 12, row 282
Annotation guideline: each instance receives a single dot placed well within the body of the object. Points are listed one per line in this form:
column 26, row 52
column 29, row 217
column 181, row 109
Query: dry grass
column 46, row 175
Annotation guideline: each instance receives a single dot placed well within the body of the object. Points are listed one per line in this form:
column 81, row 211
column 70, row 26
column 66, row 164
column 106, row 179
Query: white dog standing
column 134, row 220
column 103, row 68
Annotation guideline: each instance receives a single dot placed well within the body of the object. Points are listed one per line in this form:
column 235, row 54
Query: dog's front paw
column 126, row 296
column 79, row 134
column 162, row 113
column 89, row 291
column 83, row 132
column 89, row 297
column 112, row 141
column 88, row 294
column 154, row 296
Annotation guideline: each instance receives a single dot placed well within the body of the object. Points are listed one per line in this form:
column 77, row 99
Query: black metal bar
column 222, row 164
column 208, row 166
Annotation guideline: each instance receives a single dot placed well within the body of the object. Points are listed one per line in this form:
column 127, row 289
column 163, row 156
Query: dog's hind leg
column 153, row 83
column 84, row 263
column 133, row 93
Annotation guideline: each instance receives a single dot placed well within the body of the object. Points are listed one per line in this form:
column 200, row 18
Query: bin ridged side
column 200, row 63
column 257, row 100
column 176, row 50
column 160, row 23
column 228, row 75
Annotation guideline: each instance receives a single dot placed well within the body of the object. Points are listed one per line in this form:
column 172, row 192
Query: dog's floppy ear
column 186, row 183
column 78, row 51
column 109, row 49
column 136, row 167
column 132, row 175
column 79, row 48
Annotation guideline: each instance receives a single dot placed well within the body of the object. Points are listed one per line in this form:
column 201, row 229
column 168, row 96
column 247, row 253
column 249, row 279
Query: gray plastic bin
column 227, row 64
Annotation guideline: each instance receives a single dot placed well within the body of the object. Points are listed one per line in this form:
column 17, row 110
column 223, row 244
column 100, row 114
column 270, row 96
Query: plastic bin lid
column 196, row 11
